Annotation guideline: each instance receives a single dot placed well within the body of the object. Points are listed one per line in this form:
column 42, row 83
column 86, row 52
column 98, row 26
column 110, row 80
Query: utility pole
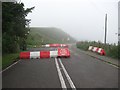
column 105, row 29
column 119, row 23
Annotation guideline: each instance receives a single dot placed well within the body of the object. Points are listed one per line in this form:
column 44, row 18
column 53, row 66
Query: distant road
column 78, row 71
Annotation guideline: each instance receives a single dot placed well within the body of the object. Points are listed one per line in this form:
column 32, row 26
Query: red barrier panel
column 64, row 45
column 97, row 49
column 54, row 45
column 102, row 52
column 44, row 54
column 25, row 55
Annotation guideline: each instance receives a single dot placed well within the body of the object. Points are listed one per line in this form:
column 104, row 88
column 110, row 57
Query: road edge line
column 112, row 64
column 9, row 66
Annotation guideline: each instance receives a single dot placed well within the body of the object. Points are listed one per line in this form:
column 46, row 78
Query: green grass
column 111, row 50
column 8, row 59
column 0, row 62
column 44, row 35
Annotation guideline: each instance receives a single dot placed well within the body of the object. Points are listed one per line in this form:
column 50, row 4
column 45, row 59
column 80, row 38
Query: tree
column 14, row 26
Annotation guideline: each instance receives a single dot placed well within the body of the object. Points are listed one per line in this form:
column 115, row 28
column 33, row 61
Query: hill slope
column 44, row 35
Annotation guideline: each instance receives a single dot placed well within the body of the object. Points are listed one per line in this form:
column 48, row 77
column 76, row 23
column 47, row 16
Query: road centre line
column 68, row 77
column 60, row 75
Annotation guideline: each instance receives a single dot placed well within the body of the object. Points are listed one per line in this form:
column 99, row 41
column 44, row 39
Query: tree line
column 15, row 27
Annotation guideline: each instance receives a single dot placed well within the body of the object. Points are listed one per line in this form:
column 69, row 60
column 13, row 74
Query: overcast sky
column 82, row 19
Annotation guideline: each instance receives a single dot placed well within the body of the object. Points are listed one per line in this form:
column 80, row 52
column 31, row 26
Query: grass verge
column 8, row 59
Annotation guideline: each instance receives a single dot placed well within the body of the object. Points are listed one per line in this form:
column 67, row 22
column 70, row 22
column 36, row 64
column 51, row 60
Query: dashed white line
column 60, row 75
column 68, row 77
column 9, row 67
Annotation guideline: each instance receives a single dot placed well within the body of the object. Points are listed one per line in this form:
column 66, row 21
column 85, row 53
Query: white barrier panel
column 90, row 47
column 53, row 53
column 94, row 49
column 34, row 55
column 47, row 45
column 99, row 50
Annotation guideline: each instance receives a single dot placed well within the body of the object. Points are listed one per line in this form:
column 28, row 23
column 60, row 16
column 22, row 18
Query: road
column 78, row 71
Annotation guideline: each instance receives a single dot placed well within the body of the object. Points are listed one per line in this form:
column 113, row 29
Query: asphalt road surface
column 78, row 71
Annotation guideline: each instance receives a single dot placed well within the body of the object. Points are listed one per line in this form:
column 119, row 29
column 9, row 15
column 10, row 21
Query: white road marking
column 68, row 77
column 60, row 75
column 111, row 64
column 114, row 66
column 9, row 67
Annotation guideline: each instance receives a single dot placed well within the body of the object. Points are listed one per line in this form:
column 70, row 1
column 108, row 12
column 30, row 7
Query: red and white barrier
column 53, row 53
column 101, row 51
column 63, row 45
column 63, row 52
column 25, row 55
column 55, row 45
column 96, row 49
column 44, row 54
column 90, row 48
column 34, row 55
column 47, row 45
column 38, row 54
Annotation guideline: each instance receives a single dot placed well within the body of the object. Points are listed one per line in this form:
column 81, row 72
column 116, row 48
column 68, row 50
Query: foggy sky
column 82, row 19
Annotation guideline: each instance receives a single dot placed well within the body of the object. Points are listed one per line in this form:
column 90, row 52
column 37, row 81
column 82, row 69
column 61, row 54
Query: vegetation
column 14, row 30
column 111, row 50
column 14, row 27
column 44, row 35
column 8, row 59
column 17, row 36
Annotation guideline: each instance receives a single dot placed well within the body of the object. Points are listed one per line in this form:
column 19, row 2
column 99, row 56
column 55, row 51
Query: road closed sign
column 62, row 51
